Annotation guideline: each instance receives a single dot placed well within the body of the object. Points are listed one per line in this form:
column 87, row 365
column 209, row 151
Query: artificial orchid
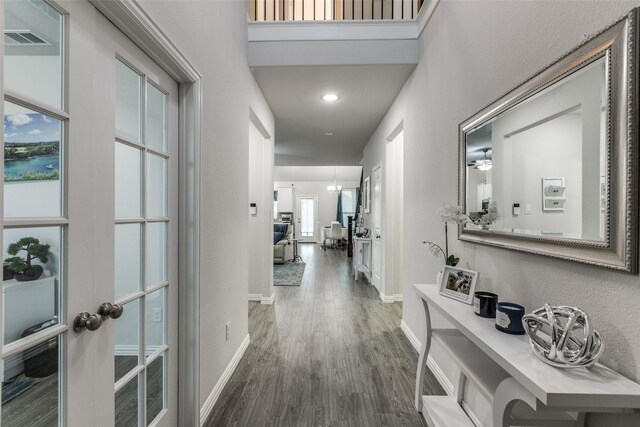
column 448, row 213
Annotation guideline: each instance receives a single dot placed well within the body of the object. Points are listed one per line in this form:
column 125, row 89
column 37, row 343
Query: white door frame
column 130, row 18
column 392, row 258
column 316, row 228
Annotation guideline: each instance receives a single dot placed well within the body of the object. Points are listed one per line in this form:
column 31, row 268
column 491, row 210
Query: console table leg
column 422, row 358
column 508, row 393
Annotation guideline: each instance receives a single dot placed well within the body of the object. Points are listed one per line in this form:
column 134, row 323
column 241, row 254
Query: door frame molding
column 130, row 18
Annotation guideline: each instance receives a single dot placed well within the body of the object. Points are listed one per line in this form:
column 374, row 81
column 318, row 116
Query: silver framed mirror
column 550, row 168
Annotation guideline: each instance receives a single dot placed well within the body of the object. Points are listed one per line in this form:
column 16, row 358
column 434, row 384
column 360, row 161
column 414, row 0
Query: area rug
column 12, row 390
column 288, row 274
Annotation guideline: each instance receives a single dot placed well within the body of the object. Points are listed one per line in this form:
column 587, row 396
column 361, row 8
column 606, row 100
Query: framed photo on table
column 458, row 283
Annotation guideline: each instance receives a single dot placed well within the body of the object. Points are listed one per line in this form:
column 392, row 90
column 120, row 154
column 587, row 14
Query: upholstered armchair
column 281, row 236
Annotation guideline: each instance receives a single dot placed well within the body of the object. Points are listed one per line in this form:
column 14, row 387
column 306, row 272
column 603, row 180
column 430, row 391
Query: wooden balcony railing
column 334, row 10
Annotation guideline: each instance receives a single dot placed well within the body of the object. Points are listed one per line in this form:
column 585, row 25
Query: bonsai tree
column 34, row 250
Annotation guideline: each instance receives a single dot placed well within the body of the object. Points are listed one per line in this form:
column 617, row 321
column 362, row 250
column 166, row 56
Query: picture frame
column 366, row 200
column 458, row 283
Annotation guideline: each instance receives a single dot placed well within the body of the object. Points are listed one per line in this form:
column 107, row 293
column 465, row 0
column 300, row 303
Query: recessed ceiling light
column 330, row 97
column 329, row 133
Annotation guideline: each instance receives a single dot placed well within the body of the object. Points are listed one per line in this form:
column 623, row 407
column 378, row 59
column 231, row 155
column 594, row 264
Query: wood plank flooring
column 38, row 406
column 327, row 353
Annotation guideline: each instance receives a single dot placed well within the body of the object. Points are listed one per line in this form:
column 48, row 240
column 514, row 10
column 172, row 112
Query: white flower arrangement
column 448, row 213
column 490, row 216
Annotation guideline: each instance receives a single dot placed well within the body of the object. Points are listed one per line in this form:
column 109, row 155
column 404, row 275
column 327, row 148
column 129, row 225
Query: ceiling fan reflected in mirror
column 483, row 164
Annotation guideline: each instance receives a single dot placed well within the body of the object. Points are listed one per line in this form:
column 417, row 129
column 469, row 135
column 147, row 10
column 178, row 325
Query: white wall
column 472, row 53
column 213, row 35
column 327, row 202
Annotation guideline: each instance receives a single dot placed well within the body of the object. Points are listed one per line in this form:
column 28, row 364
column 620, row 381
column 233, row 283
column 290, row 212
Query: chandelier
column 334, row 188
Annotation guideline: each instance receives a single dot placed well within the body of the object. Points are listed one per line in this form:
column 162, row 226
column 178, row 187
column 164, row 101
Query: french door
column 308, row 218
column 90, row 187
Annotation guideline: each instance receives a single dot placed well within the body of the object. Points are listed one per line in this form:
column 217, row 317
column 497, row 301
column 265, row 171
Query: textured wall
column 213, row 35
column 472, row 53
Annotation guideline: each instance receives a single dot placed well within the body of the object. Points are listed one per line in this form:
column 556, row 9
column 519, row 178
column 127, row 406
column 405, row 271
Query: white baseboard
column 133, row 350
column 385, row 298
column 255, row 297
column 215, row 393
column 268, row 300
column 390, row 298
column 433, row 366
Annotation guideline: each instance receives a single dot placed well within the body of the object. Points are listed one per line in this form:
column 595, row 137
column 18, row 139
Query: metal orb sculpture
column 562, row 336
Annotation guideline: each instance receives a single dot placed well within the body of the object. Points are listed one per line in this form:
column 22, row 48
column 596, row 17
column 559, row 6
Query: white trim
column 425, row 14
column 431, row 364
column 472, row 416
column 390, row 298
column 268, row 300
column 206, row 409
column 371, row 29
column 415, row 342
column 133, row 350
column 255, row 297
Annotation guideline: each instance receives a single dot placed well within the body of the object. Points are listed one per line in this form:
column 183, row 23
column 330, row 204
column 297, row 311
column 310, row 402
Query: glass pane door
column 307, row 219
column 141, row 246
column 35, row 219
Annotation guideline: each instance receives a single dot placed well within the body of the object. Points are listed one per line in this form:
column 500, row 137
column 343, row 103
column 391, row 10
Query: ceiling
column 302, row 118
column 317, row 173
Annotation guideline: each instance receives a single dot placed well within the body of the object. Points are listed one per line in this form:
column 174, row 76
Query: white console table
column 505, row 370
column 362, row 257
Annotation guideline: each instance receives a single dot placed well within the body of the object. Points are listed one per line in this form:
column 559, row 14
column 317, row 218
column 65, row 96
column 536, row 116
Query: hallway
column 328, row 352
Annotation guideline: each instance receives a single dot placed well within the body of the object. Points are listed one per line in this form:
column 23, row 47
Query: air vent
column 22, row 38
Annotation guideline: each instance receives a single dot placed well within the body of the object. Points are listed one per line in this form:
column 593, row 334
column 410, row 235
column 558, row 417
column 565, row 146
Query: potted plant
column 23, row 269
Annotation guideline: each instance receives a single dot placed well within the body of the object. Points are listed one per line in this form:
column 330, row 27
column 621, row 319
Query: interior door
column 376, row 225
column 307, row 218
column 90, row 169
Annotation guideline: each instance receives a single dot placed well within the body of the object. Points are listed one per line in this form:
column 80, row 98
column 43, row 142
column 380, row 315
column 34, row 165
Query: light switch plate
column 527, row 210
column 157, row 315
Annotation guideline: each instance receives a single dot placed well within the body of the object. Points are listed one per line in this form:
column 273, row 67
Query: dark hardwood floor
column 327, row 353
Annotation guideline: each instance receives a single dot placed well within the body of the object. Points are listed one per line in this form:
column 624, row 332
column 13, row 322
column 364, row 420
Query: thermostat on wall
column 516, row 209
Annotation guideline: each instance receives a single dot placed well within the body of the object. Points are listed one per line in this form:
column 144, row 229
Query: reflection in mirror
column 539, row 167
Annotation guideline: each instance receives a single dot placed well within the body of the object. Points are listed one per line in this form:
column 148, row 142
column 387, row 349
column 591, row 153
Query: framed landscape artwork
column 31, row 147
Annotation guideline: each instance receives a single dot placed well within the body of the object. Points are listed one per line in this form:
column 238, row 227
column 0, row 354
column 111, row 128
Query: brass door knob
column 90, row 322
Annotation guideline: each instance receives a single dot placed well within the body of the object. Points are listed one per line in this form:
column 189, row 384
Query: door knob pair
column 91, row 322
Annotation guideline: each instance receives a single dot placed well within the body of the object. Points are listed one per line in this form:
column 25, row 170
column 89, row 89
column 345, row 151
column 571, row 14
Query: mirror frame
column 619, row 250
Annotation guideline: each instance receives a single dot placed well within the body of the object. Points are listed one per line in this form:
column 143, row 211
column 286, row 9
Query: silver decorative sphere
column 562, row 336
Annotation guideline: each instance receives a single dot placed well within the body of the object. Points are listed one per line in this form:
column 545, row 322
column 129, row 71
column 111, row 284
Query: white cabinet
column 362, row 257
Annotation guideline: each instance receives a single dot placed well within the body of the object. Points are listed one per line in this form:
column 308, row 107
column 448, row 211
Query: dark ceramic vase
column 31, row 273
column 7, row 274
